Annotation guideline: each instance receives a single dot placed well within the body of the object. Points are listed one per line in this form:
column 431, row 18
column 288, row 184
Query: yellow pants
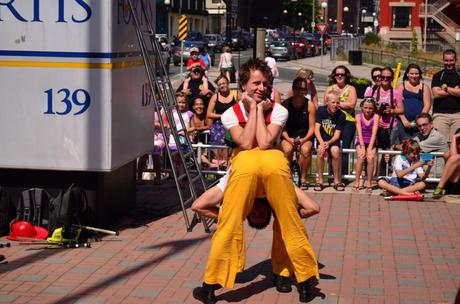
column 254, row 171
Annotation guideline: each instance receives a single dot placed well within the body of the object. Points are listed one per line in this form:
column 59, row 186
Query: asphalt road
column 287, row 69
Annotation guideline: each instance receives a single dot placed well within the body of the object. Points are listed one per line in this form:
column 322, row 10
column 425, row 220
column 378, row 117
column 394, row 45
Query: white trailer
column 74, row 95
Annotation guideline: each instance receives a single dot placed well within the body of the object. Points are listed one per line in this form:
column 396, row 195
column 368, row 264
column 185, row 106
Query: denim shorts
column 400, row 182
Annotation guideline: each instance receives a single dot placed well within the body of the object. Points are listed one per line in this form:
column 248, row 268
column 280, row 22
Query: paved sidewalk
column 373, row 251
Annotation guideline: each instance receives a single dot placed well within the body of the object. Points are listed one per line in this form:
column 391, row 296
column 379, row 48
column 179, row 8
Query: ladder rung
column 182, row 176
column 196, row 178
column 188, row 201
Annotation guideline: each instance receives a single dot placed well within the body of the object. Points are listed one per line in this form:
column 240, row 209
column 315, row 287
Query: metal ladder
column 189, row 183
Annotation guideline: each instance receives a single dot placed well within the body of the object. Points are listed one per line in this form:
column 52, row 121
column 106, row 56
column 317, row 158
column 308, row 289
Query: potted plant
column 360, row 84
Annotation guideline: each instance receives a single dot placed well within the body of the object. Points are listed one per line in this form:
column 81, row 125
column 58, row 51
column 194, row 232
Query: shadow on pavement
column 176, row 247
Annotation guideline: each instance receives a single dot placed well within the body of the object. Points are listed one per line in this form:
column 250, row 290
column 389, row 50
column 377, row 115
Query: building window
column 402, row 17
column 216, row 1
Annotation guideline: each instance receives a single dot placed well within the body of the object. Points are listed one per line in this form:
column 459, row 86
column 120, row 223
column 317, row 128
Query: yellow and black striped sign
column 182, row 35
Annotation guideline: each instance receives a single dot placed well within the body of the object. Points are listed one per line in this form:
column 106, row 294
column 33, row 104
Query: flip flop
column 369, row 189
column 339, row 187
column 304, row 185
column 356, row 189
column 318, row 187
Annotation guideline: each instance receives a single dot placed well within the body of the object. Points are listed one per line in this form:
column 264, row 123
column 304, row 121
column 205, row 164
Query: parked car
column 312, row 44
column 238, row 41
column 301, row 46
column 282, row 49
column 165, row 50
column 215, row 42
column 194, row 39
column 317, row 37
column 249, row 38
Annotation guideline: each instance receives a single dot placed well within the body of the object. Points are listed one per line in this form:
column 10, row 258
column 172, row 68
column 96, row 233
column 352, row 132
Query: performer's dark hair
column 264, row 224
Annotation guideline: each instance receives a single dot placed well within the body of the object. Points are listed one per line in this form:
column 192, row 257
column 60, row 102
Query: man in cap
column 197, row 85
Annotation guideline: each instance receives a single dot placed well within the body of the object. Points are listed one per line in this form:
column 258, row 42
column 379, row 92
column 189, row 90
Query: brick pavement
column 373, row 251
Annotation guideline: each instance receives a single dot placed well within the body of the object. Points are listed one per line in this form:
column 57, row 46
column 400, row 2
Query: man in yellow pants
column 255, row 124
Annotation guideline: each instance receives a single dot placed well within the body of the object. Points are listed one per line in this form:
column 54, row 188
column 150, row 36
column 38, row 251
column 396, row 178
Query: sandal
column 356, row 189
column 304, row 185
column 438, row 193
column 318, row 187
column 369, row 189
column 339, row 187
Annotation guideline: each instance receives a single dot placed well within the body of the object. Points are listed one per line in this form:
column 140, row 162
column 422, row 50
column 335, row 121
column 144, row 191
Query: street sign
column 322, row 27
column 313, row 24
column 182, row 33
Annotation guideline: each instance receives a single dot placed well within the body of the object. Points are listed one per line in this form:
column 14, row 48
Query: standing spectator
column 376, row 73
column 328, row 126
column 197, row 85
column 219, row 103
column 300, row 127
column 446, row 91
column 226, row 63
column 194, row 60
column 271, row 62
column 416, row 100
column 407, row 167
column 450, row 178
column 309, row 77
column 389, row 104
column 367, row 124
column 204, row 55
column 341, row 78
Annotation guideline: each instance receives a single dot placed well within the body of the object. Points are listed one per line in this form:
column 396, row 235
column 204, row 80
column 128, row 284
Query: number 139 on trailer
column 63, row 101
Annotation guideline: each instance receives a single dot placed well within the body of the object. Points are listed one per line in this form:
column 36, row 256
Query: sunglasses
column 388, row 78
column 339, row 75
column 375, row 77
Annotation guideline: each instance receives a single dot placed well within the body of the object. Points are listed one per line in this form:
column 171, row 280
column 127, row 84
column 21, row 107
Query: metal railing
column 434, row 176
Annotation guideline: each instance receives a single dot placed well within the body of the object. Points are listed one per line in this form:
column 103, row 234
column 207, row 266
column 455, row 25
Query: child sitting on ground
column 407, row 167
column 329, row 122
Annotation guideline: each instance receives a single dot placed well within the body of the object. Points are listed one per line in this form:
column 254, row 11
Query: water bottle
column 295, row 169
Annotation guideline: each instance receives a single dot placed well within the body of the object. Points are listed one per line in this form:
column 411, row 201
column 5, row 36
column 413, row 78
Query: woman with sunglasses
column 417, row 99
column 341, row 78
column 389, row 104
column 309, row 77
column 376, row 73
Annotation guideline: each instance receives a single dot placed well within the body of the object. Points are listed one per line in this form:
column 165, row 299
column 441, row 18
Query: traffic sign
column 322, row 27
column 182, row 33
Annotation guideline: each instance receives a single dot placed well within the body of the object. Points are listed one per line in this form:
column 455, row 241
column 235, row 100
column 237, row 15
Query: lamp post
column 345, row 10
column 363, row 13
column 324, row 7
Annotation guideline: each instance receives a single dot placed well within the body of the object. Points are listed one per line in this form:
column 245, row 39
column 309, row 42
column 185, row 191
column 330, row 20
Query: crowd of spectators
column 389, row 118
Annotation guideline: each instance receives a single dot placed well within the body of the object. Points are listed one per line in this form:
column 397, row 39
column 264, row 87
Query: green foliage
column 360, row 81
column 414, row 45
column 371, row 38
column 391, row 46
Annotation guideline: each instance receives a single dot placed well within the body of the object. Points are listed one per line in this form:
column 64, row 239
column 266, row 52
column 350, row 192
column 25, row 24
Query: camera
column 381, row 107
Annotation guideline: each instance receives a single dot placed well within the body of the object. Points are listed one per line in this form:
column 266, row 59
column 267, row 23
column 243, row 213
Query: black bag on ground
column 33, row 207
column 7, row 211
column 70, row 207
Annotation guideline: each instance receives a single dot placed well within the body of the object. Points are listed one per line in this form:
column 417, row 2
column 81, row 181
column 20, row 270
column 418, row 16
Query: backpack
column 70, row 207
column 7, row 211
column 33, row 207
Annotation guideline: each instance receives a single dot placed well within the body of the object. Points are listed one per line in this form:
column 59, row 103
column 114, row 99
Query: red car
column 301, row 46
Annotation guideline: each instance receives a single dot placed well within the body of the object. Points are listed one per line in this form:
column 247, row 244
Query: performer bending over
column 255, row 125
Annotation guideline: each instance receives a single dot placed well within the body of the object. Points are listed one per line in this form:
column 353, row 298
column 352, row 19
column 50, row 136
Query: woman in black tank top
column 300, row 127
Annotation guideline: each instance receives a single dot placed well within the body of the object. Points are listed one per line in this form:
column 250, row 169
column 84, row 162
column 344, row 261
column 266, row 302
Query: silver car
column 215, row 42
column 282, row 50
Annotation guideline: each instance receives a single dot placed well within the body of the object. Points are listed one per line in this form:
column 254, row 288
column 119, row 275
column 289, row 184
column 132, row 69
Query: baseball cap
column 194, row 49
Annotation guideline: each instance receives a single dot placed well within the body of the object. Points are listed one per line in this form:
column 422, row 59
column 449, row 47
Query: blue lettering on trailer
column 61, row 9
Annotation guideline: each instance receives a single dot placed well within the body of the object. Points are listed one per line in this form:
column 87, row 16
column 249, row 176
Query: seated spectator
column 197, row 85
column 309, row 77
column 429, row 139
column 186, row 116
column 407, row 167
column 367, row 124
column 300, row 128
column 329, row 122
column 341, row 78
column 416, row 100
column 199, row 121
column 194, row 60
column 450, row 178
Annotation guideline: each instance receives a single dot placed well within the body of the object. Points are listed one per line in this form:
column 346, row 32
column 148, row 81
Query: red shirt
column 191, row 62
